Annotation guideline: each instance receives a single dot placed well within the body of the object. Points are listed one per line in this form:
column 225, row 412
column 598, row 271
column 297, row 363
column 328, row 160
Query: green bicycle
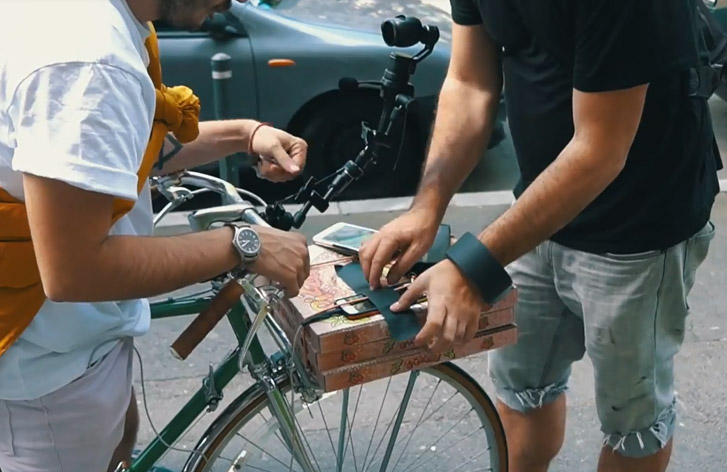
column 436, row 418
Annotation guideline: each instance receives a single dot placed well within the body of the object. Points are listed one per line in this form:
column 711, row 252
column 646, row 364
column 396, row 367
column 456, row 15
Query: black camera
column 397, row 94
column 404, row 31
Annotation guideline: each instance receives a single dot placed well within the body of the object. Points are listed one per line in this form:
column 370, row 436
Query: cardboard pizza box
column 323, row 287
column 339, row 342
column 387, row 366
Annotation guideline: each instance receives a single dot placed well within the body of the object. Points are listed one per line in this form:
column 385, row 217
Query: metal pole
column 221, row 85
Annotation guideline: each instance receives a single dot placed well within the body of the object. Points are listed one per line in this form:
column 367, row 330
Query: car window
column 220, row 23
column 162, row 26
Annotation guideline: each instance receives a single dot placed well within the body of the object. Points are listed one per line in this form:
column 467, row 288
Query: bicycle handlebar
column 207, row 319
column 236, row 209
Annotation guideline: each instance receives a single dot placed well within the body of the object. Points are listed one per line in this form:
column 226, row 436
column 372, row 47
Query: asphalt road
column 701, row 366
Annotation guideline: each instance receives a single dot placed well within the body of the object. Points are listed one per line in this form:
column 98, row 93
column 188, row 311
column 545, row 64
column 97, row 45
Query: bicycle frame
column 222, row 375
column 209, row 394
column 397, row 93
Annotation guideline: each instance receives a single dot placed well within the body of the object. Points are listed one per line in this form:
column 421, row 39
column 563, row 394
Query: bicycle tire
column 236, row 415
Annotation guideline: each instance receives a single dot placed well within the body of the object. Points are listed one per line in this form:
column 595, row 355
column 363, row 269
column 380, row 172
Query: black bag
column 705, row 79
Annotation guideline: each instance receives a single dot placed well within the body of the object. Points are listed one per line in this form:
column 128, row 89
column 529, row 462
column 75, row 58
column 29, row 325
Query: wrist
column 242, row 129
column 252, row 131
column 227, row 236
column 433, row 196
column 246, row 243
column 480, row 267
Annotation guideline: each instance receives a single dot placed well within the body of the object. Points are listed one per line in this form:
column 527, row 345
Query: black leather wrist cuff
column 480, row 267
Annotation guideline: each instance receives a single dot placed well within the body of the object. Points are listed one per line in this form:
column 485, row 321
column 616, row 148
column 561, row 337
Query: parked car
column 719, row 8
column 286, row 71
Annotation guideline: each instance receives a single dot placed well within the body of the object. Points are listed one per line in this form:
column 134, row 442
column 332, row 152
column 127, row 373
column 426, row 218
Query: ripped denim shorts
column 627, row 311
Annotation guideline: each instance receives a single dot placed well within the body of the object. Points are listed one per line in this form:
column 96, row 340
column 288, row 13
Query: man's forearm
column 217, row 139
column 559, row 194
column 462, row 127
column 122, row 268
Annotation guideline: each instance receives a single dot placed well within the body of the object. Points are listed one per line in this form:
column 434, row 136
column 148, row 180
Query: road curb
column 379, row 205
column 385, row 205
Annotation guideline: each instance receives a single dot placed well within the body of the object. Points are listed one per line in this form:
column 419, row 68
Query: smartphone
column 344, row 238
column 355, row 308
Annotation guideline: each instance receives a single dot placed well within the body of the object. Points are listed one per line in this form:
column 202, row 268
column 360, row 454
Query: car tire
column 333, row 134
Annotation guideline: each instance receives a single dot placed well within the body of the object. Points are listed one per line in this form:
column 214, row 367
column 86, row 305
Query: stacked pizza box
column 342, row 352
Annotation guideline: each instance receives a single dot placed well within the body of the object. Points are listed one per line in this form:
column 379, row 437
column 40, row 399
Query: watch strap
column 244, row 258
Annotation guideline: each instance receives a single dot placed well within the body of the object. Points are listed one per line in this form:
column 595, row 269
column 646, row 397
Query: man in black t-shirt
column 612, row 218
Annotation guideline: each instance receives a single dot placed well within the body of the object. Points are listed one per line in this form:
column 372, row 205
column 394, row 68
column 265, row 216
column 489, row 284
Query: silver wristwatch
column 246, row 242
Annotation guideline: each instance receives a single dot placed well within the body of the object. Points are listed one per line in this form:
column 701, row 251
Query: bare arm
column 216, row 140
column 88, row 265
column 466, row 113
column 80, row 262
column 283, row 155
column 605, row 127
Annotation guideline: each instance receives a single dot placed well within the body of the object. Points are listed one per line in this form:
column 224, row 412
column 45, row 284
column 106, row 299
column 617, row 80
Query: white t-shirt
column 77, row 105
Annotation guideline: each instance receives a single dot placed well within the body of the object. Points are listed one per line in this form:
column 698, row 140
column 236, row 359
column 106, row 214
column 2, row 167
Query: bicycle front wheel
column 433, row 419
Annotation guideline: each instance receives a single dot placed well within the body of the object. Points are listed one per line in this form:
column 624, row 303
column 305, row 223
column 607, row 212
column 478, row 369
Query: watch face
column 248, row 242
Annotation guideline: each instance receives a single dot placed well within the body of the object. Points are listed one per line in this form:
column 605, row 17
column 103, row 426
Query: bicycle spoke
column 410, row 436
column 481, row 428
column 429, row 416
column 471, row 460
column 325, row 423
column 413, row 375
column 261, row 449
column 444, row 435
column 305, row 439
column 277, row 433
column 350, row 427
column 383, row 436
column 429, row 448
column 376, row 424
column 252, row 467
column 342, row 431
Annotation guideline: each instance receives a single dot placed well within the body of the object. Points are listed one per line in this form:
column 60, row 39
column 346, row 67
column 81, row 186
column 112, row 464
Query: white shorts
column 74, row 429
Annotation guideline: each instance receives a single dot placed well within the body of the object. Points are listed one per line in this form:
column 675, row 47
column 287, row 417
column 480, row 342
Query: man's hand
column 283, row 258
column 282, row 155
column 409, row 235
column 454, row 307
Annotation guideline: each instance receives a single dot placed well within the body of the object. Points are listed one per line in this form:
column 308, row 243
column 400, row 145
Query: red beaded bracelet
column 252, row 136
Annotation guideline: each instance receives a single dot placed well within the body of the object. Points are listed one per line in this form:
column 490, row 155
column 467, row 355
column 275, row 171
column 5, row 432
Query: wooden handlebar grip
column 207, row 320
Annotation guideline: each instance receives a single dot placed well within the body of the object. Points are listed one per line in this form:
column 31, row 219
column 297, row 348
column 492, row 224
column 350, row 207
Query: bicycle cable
column 315, row 186
column 151, row 423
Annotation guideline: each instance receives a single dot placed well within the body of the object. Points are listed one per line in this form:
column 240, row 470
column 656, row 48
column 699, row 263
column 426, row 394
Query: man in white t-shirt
column 76, row 110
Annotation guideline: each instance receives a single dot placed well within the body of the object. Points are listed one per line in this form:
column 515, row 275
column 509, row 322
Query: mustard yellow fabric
column 21, row 290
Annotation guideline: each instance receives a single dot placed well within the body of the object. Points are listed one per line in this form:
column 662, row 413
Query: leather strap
column 477, row 263
column 403, row 326
column 437, row 252
column 442, row 241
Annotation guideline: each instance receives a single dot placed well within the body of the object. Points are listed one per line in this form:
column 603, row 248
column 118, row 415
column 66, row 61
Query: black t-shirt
column 549, row 47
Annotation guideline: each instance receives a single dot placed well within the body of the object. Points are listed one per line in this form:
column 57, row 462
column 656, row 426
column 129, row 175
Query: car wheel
column 333, row 134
